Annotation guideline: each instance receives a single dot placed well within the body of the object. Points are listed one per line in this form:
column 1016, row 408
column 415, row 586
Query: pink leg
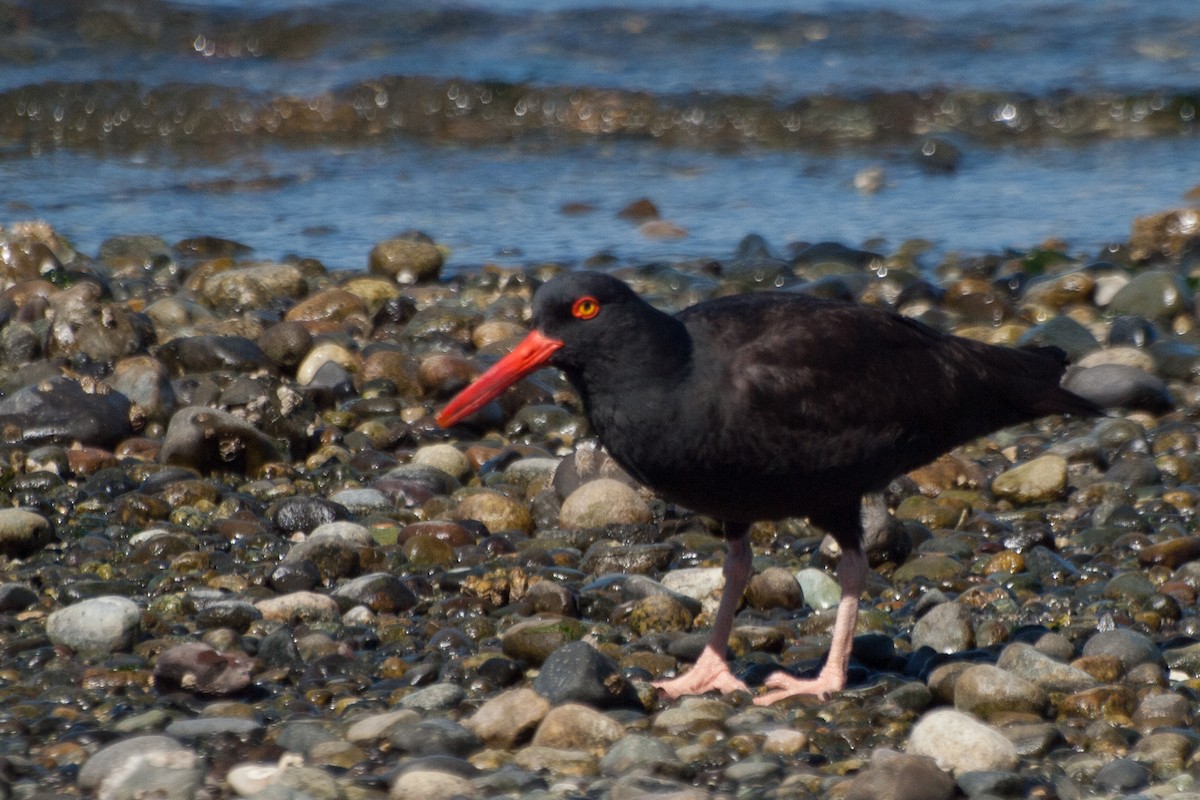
column 711, row 670
column 852, row 575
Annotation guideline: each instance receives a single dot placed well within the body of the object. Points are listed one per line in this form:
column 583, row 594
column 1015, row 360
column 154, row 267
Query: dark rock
column 435, row 737
column 306, row 513
column 1120, row 386
column 897, row 776
column 59, row 410
column 381, row 592
column 191, row 354
column 209, row 440
column 1122, row 775
column 578, row 673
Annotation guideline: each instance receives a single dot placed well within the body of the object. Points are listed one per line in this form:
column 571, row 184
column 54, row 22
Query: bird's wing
column 848, row 384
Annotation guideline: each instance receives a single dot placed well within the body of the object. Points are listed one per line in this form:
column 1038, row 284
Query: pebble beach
column 241, row 560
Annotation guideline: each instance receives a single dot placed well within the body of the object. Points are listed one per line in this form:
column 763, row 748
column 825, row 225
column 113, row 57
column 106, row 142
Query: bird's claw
column 709, row 674
column 784, row 685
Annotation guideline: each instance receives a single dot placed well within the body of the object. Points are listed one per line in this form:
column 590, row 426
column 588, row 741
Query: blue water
column 503, row 201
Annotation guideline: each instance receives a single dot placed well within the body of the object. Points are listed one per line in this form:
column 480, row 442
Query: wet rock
column 534, row 640
column 16, row 597
column 819, row 588
column 1166, row 233
column 639, row 559
column 946, row 628
column 144, row 381
column 934, row 569
column 1172, row 553
column 1048, row 674
column 638, row 753
column 659, row 612
column 577, row 727
column 579, row 673
column 299, row 607
column 420, row 784
column 703, row 584
column 208, row 440
column 237, row 615
column 83, row 324
column 774, row 587
column 197, row 667
column 1037, row 481
column 988, row 691
column 897, row 776
column 142, row 766
column 254, row 286
column 445, row 457
column 1164, row 710
column 376, row 726
column 23, row 532
column 407, row 259
column 197, row 354
column 508, row 719
column 438, row 697
column 382, row 592
column 1121, row 775
column 61, row 410
column 333, row 559
column 960, row 743
column 294, row 514
column 97, row 626
column 496, row 511
column 1154, row 295
column 1129, row 647
column 1064, row 333
column 1120, row 386
column 438, row 736
column 601, row 502
column 1165, row 753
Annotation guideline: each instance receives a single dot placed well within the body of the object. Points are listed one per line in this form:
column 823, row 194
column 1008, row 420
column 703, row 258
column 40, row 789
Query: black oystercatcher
column 770, row 405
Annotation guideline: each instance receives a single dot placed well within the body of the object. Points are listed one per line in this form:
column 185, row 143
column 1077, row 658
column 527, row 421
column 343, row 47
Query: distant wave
column 124, row 115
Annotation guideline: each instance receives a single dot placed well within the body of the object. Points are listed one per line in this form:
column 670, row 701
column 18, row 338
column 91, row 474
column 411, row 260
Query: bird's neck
column 638, row 360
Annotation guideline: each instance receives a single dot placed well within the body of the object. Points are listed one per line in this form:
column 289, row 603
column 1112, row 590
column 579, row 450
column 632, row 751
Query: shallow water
column 319, row 128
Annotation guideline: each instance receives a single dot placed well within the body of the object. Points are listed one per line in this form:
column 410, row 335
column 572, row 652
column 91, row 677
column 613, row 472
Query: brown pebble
column 639, row 210
column 1105, row 669
column 1171, row 553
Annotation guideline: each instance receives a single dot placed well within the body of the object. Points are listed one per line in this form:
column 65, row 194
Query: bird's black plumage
column 770, row 405
column 766, row 405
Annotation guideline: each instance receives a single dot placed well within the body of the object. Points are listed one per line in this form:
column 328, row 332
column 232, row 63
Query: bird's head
column 576, row 316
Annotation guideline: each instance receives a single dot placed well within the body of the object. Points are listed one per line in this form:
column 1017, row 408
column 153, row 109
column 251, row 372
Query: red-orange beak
column 533, row 352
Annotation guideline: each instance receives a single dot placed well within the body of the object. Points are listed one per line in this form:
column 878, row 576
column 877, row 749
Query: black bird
column 769, row 405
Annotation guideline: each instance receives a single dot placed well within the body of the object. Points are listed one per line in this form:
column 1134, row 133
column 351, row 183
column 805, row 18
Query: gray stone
column 438, row 697
column 641, row 753
column 985, row 690
column 601, row 502
column 946, row 628
column 118, row 754
column 900, row 776
column 958, row 743
column 821, row 590
column 1129, row 647
column 97, row 626
column 1050, row 675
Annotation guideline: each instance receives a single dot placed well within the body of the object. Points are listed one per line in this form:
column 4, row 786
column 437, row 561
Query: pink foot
column 710, row 673
column 784, row 685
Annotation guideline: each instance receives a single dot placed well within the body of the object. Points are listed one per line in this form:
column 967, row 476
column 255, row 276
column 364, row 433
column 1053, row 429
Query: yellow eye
column 585, row 308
